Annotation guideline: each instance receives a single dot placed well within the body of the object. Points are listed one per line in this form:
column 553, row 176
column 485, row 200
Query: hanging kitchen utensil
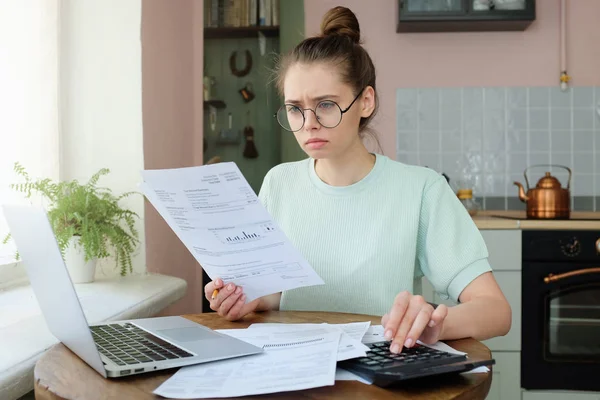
column 247, row 93
column 212, row 117
column 548, row 200
column 233, row 64
column 250, row 148
column 228, row 136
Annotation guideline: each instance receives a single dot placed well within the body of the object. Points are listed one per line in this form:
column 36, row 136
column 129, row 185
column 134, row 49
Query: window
column 29, row 118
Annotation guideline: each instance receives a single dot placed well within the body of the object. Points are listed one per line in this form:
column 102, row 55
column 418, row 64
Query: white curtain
column 29, row 114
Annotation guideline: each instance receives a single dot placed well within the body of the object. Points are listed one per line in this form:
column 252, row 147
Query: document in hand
column 295, row 362
column 218, row 217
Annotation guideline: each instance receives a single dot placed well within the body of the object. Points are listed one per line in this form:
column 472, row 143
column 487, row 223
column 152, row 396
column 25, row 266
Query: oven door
column 560, row 326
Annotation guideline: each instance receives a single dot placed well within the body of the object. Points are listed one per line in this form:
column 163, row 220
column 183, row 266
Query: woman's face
column 316, row 86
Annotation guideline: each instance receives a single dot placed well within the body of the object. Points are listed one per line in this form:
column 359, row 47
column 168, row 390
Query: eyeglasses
column 328, row 112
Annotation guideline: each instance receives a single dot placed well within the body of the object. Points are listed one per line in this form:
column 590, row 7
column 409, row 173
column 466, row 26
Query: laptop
column 384, row 368
column 113, row 349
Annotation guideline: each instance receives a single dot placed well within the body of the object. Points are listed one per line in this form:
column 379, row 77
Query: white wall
column 101, row 99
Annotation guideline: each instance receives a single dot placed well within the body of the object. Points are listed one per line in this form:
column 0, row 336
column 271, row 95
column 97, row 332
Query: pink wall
column 172, row 53
column 529, row 58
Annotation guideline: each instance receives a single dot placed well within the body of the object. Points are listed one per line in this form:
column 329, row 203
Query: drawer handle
column 554, row 278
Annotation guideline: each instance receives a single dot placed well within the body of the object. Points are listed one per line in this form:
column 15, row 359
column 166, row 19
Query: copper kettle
column 548, row 200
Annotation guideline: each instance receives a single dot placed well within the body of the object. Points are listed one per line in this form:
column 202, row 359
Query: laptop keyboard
column 379, row 355
column 127, row 344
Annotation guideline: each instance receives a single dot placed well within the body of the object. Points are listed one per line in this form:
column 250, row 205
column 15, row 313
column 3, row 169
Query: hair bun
column 341, row 21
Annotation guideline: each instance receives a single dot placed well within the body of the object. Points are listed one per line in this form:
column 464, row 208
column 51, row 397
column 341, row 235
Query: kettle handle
column 548, row 165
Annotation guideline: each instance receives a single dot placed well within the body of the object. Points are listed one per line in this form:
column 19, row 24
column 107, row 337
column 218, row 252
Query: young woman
column 371, row 227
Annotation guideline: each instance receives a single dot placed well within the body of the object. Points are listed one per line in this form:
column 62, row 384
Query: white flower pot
column 80, row 271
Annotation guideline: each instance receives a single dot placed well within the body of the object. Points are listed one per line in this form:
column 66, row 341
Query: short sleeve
column 451, row 252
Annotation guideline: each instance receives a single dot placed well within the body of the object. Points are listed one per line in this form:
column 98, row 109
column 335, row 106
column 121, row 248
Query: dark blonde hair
column 340, row 45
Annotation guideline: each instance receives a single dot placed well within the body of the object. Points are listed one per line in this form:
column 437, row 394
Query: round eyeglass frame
column 302, row 110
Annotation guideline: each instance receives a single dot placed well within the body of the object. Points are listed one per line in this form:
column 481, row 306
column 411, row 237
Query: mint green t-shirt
column 375, row 238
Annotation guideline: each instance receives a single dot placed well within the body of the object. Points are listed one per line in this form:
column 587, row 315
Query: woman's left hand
column 410, row 319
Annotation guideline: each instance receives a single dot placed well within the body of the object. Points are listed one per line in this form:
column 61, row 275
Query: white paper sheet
column 374, row 334
column 478, row 370
column 349, row 347
column 296, row 363
column 218, row 217
column 343, row 375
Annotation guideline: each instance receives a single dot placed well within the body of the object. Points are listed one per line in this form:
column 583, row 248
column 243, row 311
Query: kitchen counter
column 490, row 219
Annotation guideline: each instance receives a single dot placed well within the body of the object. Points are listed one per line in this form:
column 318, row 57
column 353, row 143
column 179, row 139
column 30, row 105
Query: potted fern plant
column 87, row 220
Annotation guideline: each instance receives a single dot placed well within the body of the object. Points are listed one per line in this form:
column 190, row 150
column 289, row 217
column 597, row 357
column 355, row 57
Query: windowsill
column 11, row 275
column 25, row 335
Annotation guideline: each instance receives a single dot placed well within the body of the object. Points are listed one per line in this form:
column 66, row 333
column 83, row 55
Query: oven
column 560, row 338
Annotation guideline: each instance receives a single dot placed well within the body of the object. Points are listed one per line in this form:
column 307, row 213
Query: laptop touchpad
column 190, row 334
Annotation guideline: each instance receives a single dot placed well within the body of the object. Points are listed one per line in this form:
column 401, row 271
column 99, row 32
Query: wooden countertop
column 490, row 219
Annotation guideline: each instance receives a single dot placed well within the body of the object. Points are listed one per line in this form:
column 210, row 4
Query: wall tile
column 451, row 119
column 495, row 203
column 539, row 141
column 407, row 98
column 429, row 141
column 494, row 98
column 514, row 203
column 539, row 119
column 494, row 143
column 539, row 97
column 451, row 165
column 561, row 141
column 583, row 203
column 517, row 162
column 473, row 121
column 562, row 159
column 451, row 98
column 407, row 141
column 408, row 158
column 583, row 141
column 516, row 97
column 516, row 141
column 493, row 123
column 583, row 96
column 429, row 99
column 583, row 119
column 560, row 99
column 583, row 184
column 495, row 133
column 583, row 163
column 473, row 99
column 539, row 158
column 517, row 118
column 429, row 119
column 472, row 141
column 451, row 141
column 494, row 185
column 431, row 160
column 511, row 188
column 560, row 119
column 406, row 120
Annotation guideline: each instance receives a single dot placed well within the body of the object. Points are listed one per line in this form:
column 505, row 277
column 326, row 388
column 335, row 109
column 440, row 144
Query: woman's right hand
column 229, row 303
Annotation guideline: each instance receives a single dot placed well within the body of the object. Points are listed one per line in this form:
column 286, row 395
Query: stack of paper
column 294, row 358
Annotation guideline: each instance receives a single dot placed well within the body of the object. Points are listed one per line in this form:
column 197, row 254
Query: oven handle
column 554, row 278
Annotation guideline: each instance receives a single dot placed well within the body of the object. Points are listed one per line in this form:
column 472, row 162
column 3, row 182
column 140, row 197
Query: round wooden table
column 60, row 374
